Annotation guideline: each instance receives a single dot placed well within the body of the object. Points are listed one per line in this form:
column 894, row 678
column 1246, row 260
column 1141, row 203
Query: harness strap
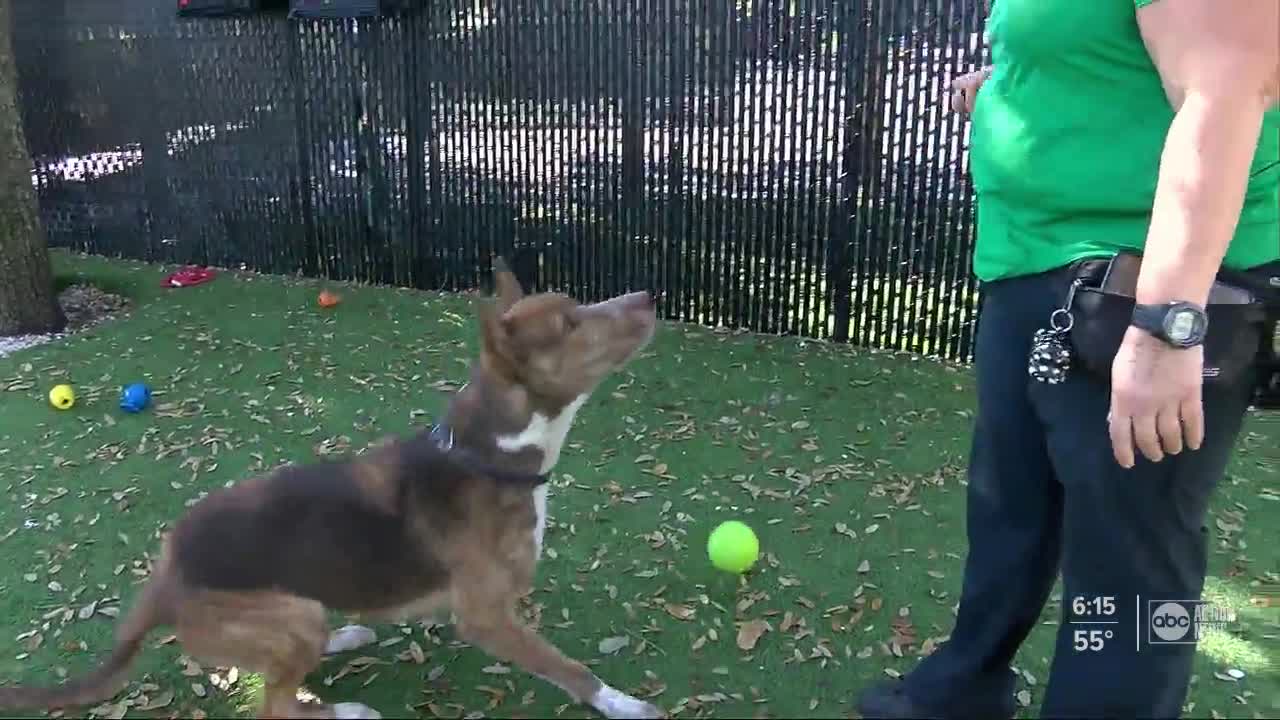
column 442, row 435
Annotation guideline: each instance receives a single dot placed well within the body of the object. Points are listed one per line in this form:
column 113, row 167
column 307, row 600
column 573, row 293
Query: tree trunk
column 27, row 300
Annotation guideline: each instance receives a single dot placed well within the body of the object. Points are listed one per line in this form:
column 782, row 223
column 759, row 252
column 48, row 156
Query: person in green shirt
column 1101, row 126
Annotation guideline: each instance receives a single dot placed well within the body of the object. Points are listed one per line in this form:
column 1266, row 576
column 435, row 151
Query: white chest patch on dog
column 548, row 435
column 545, row 433
column 540, row 506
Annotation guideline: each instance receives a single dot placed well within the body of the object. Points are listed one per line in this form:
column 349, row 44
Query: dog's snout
column 640, row 300
column 641, row 303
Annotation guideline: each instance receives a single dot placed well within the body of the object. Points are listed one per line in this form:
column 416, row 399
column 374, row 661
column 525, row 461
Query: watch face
column 1184, row 325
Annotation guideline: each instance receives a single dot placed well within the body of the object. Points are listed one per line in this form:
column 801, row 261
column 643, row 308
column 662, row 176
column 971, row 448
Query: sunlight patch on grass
column 1227, row 647
column 1237, row 598
column 1228, row 650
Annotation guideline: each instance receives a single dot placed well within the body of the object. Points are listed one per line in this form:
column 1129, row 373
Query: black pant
column 1045, row 493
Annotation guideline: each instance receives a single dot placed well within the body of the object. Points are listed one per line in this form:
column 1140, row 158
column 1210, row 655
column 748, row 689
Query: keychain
column 1050, row 358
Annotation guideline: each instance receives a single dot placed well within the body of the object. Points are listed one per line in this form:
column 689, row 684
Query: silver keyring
column 1057, row 316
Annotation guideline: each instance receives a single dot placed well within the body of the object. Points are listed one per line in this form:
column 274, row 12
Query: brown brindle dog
column 449, row 519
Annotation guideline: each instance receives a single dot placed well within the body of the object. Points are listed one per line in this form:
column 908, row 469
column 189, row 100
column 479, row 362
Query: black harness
column 441, row 436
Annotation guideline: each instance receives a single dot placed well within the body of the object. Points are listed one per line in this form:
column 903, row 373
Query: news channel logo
column 1184, row 622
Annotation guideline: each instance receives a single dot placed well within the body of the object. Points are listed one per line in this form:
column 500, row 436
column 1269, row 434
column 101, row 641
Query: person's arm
column 1219, row 61
column 1220, row 65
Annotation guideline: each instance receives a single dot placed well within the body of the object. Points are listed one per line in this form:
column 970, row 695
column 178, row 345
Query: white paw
column 355, row 711
column 616, row 704
column 348, row 638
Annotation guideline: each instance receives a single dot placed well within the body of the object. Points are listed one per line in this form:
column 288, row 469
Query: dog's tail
column 150, row 610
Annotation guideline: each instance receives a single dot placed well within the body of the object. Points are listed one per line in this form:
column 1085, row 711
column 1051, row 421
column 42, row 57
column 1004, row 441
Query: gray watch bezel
column 1156, row 319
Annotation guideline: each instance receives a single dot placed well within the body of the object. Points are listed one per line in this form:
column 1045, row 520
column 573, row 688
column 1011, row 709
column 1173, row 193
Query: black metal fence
column 781, row 165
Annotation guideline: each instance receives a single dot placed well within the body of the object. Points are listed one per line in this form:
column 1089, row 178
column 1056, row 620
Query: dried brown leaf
column 415, row 651
column 680, row 612
column 749, row 633
column 159, row 701
column 611, row 645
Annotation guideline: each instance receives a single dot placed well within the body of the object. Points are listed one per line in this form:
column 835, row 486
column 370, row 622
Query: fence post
column 632, row 96
column 675, row 267
column 381, row 228
column 435, row 176
column 424, row 177
column 839, row 273
column 157, row 166
column 304, row 179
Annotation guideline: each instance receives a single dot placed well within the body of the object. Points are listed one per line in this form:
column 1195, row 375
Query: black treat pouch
column 1102, row 319
column 1264, row 282
column 1267, row 394
column 1087, row 331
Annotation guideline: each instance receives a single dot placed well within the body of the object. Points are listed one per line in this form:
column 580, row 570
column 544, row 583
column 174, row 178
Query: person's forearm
column 1203, row 178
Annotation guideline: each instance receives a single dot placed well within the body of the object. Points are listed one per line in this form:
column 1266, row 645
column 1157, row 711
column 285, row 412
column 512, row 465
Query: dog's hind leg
column 494, row 628
column 279, row 635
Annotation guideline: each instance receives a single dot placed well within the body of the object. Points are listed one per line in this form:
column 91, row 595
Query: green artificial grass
column 849, row 466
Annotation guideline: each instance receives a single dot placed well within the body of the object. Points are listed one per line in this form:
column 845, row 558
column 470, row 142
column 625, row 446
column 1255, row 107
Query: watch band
column 1150, row 318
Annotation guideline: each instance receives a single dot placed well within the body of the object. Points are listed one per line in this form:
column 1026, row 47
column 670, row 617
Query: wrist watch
column 1180, row 324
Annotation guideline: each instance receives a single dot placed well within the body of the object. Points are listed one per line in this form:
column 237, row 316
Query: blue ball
column 135, row 397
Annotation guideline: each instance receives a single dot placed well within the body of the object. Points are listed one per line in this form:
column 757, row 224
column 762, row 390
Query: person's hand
column 1155, row 398
column 964, row 90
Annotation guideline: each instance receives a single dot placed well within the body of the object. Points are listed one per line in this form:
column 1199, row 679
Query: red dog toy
column 188, row 276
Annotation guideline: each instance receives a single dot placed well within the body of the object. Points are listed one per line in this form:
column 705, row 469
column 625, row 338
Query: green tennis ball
column 733, row 547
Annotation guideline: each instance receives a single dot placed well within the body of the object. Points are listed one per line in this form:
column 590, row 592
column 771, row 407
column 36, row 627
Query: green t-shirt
column 1066, row 140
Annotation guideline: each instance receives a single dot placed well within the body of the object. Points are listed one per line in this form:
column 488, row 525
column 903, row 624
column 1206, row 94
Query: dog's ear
column 494, row 334
column 506, row 288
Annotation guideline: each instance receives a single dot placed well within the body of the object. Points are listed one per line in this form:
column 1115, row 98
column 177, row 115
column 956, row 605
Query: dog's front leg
column 497, row 631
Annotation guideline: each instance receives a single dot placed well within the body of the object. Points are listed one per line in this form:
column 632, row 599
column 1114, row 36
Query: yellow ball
column 62, row 397
column 733, row 547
